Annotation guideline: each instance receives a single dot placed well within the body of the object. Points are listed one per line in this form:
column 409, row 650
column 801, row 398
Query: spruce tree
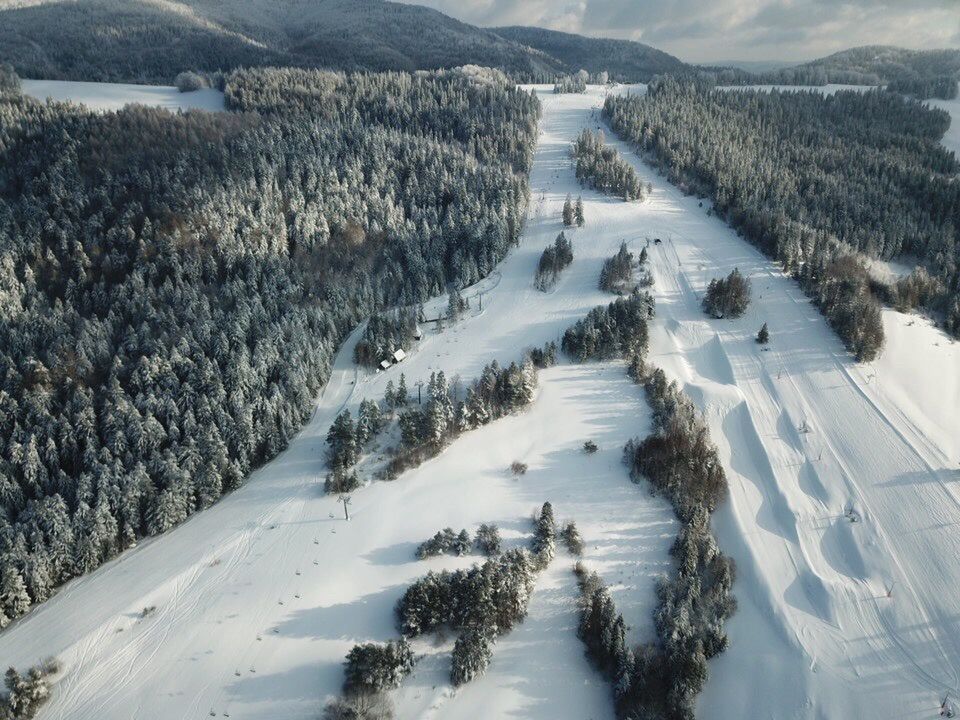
column 568, row 217
column 578, row 213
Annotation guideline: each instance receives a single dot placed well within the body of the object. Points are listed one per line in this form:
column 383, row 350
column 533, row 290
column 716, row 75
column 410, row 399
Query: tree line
column 173, row 288
column 661, row 679
column 603, row 169
column 811, row 179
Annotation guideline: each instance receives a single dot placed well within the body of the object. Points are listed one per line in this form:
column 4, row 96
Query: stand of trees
column 173, row 288
column 618, row 330
column 384, row 334
column 660, row 679
column 811, row 179
column 616, row 276
column 727, row 297
column 603, row 169
column 446, row 542
column 481, row 603
column 25, row 695
column 553, row 261
column 572, row 83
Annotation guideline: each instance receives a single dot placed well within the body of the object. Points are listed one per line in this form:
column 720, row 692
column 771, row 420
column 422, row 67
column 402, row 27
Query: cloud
column 718, row 30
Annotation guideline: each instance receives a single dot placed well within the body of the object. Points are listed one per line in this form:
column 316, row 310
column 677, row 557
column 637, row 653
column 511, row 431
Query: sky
column 725, row 30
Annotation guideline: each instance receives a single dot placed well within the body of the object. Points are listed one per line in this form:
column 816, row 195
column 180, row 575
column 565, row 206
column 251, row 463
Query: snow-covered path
column 272, row 584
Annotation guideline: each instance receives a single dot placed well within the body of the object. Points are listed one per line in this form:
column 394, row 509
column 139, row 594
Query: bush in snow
column 372, row 667
column 445, row 541
column 471, row 656
column 488, row 539
column 518, row 468
column 727, row 297
column 554, row 259
column 590, row 447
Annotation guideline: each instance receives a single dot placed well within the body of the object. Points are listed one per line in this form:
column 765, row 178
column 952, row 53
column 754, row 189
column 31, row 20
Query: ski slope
column 115, row 96
column 817, row 634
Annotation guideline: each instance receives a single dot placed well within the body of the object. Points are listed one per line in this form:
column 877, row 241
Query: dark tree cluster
column 173, row 288
column 727, row 297
column 618, row 330
column 370, row 670
column 9, row 80
column 938, row 86
column 25, row 695
column 661, row 679
column 810, row 179
column 678, row 457
column 573, row 212
column 616, row 276
column 375, row 667
column 603, row 169
column 480, row 603
column 544, row 357
column 346, row 441
column 384, row 334
column 841, row 289
column 446, row 542
column 553, row 261
column 488, row 539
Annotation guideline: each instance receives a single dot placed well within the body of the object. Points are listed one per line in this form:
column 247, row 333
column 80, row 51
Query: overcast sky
column 707, row 30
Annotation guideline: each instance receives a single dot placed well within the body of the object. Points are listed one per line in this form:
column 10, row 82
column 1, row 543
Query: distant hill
column 153, row 40
column 625, row 60
column 924, row 73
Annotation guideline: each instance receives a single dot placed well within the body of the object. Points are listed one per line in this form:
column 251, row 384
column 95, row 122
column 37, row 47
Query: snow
column 817, row 634
column 115, row 96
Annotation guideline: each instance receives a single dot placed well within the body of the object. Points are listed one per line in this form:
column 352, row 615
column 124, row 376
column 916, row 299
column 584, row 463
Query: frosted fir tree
column 471, row 656
column 440, row 411
column 488, row 539
column 578, row 213
column 568, row 213
column 14, row 599
column 369, row 422
column 341, row 442
column 402, row 397
column 763, row 336
column 545, row 535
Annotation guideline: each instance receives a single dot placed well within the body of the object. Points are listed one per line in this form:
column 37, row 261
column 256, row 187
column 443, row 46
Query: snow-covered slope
column 114, row 96
column 837, row 619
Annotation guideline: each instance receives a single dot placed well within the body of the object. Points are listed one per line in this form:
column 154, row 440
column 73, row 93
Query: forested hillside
column 151, row 42
column 624, row 60
column 811, row 179
column 921, row 73
column 173, row 287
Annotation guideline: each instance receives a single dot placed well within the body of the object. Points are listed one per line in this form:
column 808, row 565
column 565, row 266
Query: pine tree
column 402, row 397
column 578, row 213
column 763, row 337
column 14, row 599
column 568, row 217
column 341, row 439
column 471, row 656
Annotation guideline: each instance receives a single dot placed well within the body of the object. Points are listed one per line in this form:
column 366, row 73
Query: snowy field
column 115, row 96
column 837, row 619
